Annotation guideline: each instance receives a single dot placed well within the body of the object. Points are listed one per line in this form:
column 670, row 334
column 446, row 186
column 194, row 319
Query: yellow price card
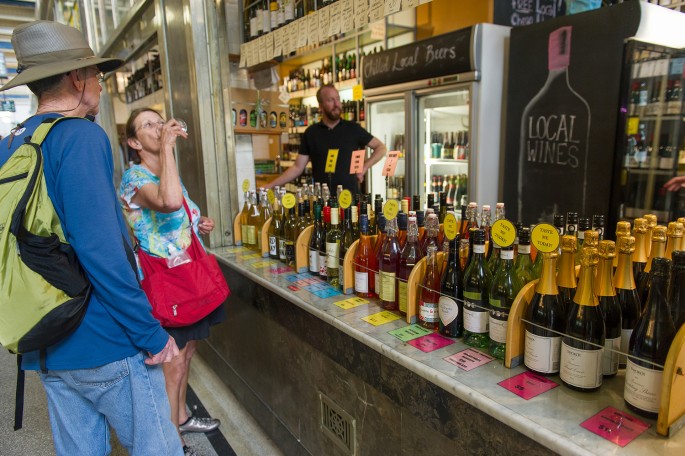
column 270, row 196
column 633, row 125
column 357, row 92
column 381, row 318
column 351, row 303
column 246, row 185
column 331, row 160
column 261, row 264
column 391, row 208
column 503, row 233
column 451, row 226
column 545, row 238
column 289, row 200
column 345, row 199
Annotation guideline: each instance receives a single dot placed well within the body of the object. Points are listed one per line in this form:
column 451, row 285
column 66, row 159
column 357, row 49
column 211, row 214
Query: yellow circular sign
column 545, row 238
column 270, row 196
column 289, row 200
column 246, row 185
column 503, row 233
column 345, row 199
column 450, row 226
column 391, row 208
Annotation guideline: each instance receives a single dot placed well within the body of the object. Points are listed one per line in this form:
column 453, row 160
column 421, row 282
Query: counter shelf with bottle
column 552, row 419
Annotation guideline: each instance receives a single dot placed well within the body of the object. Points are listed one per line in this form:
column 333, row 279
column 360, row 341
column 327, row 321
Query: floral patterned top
column 155, row 231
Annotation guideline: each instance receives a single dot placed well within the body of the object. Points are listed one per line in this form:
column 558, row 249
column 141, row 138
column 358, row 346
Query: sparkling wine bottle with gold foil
column 626, row 292
column 641, row 252
column 657, row 250
column 566, row 276
column 622, row 229
column 674, row 236
column 610, row 307
column 504, row 289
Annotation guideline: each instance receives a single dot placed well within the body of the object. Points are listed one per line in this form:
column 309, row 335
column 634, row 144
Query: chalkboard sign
column 526, row 12
column 442, row 55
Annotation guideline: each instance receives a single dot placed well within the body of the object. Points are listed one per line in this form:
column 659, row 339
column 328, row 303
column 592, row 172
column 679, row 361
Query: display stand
column 237, row 231
column 302, row 249
column 414, row 287
column 672, row 408
column 516, row 328
column 265, row 237
column 348, row 269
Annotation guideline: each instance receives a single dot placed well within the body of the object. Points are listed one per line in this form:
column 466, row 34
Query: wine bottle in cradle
column 545, row 321
column 274, row 229
column 566, row 276
column 649, row 345
column 676, row 289
column 477, row 281
column 333, row 239
column 290, row 231
column 451, row 302
column 346, row 241
column 411, row 254
column 523, row 265
column 674, row 236
column 365, row 263
column 582, row 346
column 378, row 250
column 388, row 265
column 315, row 241
column 323, row 256
column 505, row 287
column 244, row 216
column 641, row 247
column 430, row 291
column 657, row 251
column 626, row 293
column 622, row 229
column 610, row 307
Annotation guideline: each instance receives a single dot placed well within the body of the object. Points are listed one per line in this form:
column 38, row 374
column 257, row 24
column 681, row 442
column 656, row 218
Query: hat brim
column 39, row 72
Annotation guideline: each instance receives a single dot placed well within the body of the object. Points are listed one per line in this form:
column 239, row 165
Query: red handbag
column 184, row 294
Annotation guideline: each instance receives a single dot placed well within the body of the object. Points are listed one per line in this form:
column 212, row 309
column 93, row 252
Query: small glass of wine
column 182, row 123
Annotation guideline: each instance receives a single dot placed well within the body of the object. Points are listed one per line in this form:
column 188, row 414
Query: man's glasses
column 151, row 124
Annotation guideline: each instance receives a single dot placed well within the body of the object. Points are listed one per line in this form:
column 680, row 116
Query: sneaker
column 189, row 451
column 197, row 424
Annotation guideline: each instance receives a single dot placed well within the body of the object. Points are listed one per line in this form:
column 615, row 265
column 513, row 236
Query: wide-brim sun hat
column 47, row 48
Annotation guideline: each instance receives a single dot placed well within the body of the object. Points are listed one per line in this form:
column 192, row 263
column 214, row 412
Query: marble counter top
column 552, row 419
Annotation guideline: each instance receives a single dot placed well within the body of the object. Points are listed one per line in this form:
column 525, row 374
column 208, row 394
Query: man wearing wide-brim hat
column 106, row 372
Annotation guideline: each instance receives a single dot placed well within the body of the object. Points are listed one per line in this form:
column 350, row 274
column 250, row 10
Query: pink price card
column 528, row 385
column 279, row 269
column 293, row 288
column 616, row 426
column 357, row 161
column 469, row 359
column 390, row 163
column 431, row 342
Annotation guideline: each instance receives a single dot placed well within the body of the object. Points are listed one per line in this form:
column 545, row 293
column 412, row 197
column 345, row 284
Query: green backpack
column 43, row 290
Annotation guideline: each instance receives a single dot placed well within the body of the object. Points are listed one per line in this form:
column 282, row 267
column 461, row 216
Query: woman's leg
column 174, row 379
column 190, row 349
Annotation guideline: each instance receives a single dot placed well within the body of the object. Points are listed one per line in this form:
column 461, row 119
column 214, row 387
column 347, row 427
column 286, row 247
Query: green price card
column 409, row 332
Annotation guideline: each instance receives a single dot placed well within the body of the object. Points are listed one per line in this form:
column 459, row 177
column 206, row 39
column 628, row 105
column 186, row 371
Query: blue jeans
column 127, row 395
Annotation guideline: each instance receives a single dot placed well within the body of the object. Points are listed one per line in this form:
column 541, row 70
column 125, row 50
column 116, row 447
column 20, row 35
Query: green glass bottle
column 505, row 286
column 477, row 281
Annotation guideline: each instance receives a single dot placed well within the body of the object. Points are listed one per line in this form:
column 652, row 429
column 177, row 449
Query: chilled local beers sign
column 442, row 55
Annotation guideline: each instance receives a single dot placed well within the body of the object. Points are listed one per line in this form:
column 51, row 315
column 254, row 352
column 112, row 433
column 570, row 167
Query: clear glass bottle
column 505, row 287
column 430, row 292
column 365, row 263
column 389, row 265
column 477, row 281
column 411, row 254
column 274, row 230
column 333, row 240
column 244, row 219
column 315, row 241
column 626, row 293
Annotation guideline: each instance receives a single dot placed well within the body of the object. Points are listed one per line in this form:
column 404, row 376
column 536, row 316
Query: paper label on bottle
column 289, row 252
column 478, row 248
column 376, row 283
column 314, row 261
column 643, row 387
column 525, row 249
column 581, row 368
column 507, row 254
column 402, row 295
column 361, row 282
column 243, row 233
column 273, row 246
column 428, row 312
column 387, row 291
column 332, row 254
column 323, row 267
column 448, row 310
column 475, row 313
column 251, row 234
column 498, row 328
column 281, row 249
column 610, row 358
column 542, row 353
column 625, row 343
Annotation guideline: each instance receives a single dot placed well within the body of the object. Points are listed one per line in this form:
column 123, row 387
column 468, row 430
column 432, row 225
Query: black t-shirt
column 346, row 136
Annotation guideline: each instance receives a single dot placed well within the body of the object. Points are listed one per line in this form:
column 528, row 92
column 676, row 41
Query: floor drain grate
column 337, row 425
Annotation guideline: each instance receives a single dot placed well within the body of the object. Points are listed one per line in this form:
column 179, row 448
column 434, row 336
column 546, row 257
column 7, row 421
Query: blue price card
column 292, row 278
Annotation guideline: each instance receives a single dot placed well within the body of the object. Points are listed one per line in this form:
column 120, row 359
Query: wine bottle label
column 525, row 249
column 332, row 254
column 506, row 254
column 475, row 313
column 478, row 248
column 251, row 234
column 402, row 295
column 498, row 325
column 625, row 343
column 428, row 312
column 313, row 261
column 542, row 353
column 289, row 12
column 448, row 310
column 581, row 368
column 323, row 268
column 281, row 249
column 273, row 246
column 610, row 358
column 387, row 291
column 361, row 282
column 243, row 233
column 643, row 387
column 289, row 251
column 377, row 283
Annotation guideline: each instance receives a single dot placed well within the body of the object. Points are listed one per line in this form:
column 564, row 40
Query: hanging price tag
column 390, row 163
column 357, row 161
column 246, row 185
column 391, row 208
column 633, row 125
column 503, row 233
column 545, row 238
column 357, row 92
column 450, row 226
column 345, row 199
column 270, row 196
column 289, row 201
column 331, row 160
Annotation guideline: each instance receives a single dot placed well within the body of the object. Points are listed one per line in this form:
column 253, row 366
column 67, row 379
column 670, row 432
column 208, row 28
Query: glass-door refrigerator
column 439, row 103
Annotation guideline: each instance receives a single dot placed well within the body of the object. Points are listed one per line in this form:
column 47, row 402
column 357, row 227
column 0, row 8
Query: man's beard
column 331, row 115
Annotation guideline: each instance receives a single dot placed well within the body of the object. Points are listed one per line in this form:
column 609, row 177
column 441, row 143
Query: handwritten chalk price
column 503, row 233
column 357, row 161
column 450, row 226
column 545, row 238
column 331, row 160
column 390, row 163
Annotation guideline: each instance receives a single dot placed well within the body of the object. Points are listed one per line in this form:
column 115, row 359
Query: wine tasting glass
column 182, row 123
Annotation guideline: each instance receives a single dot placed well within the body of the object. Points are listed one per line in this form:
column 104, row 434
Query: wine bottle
column 651, row 224
column 649, row 345
column 432, row 229
column 244, row 219
column 610, row 307
column 315, row 241
column 572, row 224
column 333, row 239
column 430, row 291
column 345, row 242
column 256, row 222
column 583, row 226
column 388, row 266
column 566, row 277
column 485, row 223
column 274, row 229
column 560, row 224
column 676, row 289
column 657, row 251
column 546, row 320
column 365, row 263
column 402, row 229
column 378, row 250
column 641, row 246
column 450, row 304
column 493, row 262
column 675, row 236
column 505, row 286
column 477, row 281
column 411, row 254
column 598, row 225
column 523, row 266
column 582, row 346
column 626, row 292
column 290, row 237
column 323, row 255
column 623, row 229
